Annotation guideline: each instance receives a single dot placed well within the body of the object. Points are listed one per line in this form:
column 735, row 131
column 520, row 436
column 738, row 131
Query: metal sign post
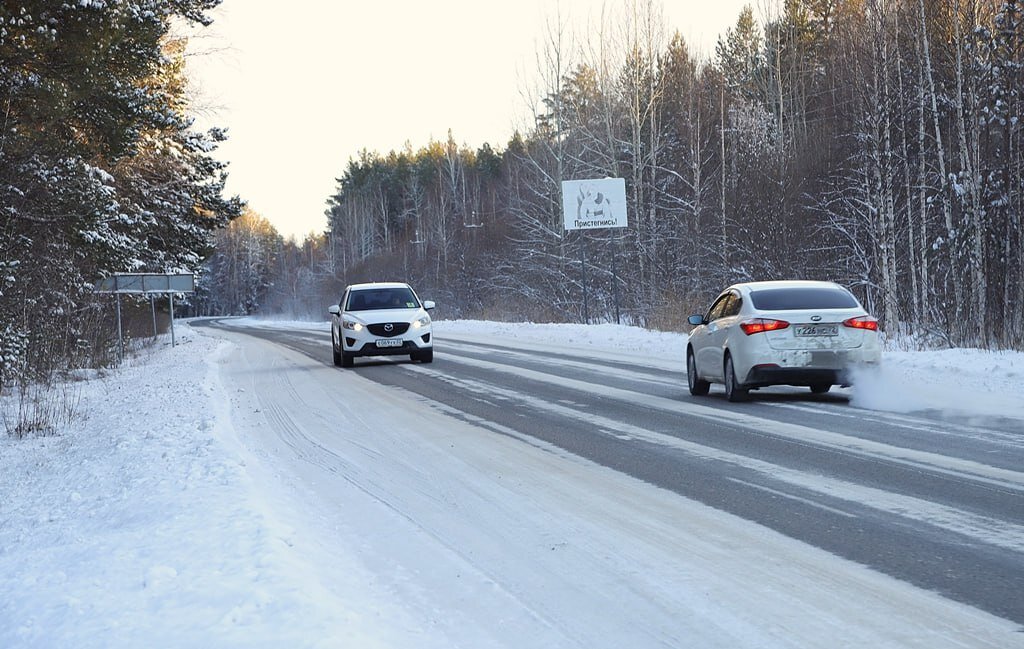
column 590, row 205
column 583, row 269
column 615, row 276
column 120, row 335
column 149, row 284
column 171, row 299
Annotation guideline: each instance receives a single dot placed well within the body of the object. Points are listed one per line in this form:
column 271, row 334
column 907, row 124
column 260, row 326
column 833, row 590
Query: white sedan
column 380, row 319
column 803, row 333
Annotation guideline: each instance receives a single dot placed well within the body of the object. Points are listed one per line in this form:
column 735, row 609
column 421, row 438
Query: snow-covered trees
column 238, row 277
column 99, row 169
column 872, row 142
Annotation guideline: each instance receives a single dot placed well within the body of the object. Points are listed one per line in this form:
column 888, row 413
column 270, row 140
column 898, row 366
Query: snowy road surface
column 557, row 494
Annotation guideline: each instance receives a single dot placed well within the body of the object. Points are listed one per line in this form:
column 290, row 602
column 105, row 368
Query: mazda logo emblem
column 389, row 326
column 815, row 318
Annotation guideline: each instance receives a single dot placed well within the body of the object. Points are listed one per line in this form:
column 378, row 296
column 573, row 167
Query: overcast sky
column 302, row 90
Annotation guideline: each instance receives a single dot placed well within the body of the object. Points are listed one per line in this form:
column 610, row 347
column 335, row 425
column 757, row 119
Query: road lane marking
column 653, row 376
column 908, row 422
column 788, row 496
column 981, row 528
column 953, row 467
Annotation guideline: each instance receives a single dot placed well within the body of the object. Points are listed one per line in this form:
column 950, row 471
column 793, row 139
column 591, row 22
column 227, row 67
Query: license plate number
column 390, row 342
column 816, row 330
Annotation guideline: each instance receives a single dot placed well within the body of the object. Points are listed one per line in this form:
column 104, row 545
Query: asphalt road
column 935, row 502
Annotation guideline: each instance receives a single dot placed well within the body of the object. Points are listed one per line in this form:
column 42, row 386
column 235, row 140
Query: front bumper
column 410, row 344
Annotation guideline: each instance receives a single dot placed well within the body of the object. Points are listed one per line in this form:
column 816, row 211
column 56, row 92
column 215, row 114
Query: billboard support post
column 583, row 267
column 615, row 276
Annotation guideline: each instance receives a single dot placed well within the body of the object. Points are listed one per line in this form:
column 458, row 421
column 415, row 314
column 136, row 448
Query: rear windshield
column 382, row 298
column 793, row 299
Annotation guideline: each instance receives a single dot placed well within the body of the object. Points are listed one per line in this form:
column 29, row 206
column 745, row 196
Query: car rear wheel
column 733, row 391
column 698, row 387
column 820, row 388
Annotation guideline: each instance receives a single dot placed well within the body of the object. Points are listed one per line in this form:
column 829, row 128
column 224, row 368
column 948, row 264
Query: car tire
column 733, row 390
column 424, row 356
column 820, row 388
column 335, row 352
column 346, row 359
column 698, row 386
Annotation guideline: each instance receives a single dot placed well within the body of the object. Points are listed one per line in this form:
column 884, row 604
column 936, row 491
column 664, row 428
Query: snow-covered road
column 231, row 492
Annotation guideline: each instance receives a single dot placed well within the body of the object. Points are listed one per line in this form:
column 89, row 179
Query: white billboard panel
column 594, row 203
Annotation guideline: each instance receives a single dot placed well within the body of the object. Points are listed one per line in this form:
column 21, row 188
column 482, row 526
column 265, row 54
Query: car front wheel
column 733, row 391
column 424, row 356
column 334, row 349
column 698, row 387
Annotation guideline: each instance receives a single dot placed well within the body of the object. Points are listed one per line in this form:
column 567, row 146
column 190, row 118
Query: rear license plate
column 816, row 330
column 389, row 342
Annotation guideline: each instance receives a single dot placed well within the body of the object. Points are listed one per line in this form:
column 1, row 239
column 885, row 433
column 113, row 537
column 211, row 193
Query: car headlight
column 422, row 322
column 352, row 324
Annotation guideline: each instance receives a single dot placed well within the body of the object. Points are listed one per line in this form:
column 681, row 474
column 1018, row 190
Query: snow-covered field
column 153, row 521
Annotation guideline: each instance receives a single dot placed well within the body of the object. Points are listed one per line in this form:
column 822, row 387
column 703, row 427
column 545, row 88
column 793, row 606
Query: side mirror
column 696, row 320
column 334, row 309
column 428, row 304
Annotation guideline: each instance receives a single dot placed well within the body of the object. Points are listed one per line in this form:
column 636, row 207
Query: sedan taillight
column 862, row 322
column 760, row 325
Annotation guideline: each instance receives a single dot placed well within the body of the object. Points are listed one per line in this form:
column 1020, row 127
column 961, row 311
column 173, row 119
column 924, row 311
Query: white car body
column 381, row 319
column 803, row 333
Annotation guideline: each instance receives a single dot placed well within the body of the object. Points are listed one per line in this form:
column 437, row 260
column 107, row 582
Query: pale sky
column 304, row 86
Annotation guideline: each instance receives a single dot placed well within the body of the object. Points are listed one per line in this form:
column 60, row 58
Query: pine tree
column 99, row 172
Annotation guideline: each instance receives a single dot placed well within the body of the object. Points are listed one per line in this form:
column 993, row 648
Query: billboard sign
column 595, row 203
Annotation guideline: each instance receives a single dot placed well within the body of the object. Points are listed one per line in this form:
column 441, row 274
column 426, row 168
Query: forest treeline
column 100, row 172
column 876, row 143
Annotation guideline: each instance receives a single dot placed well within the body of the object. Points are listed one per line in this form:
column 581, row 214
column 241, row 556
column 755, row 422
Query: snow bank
column 136, row 527
column 961, row 382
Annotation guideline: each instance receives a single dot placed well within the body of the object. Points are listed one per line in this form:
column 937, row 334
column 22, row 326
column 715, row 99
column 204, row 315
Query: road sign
column 147, row 283
column 594, row 203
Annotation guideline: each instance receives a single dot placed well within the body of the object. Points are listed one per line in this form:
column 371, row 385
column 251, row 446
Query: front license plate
column 816, row 330
column 389, row 342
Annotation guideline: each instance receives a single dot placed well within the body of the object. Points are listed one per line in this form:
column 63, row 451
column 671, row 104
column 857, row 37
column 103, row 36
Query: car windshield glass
column 791, row 299
column 382, row 298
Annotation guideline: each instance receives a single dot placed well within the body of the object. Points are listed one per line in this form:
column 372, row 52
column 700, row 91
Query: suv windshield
column 792, row 299
column 382, row 298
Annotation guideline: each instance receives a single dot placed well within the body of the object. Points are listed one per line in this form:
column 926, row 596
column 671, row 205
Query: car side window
column 715, row 312
column 733, row 307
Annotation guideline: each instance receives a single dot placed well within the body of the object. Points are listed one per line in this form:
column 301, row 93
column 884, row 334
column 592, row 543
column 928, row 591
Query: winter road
column 932, row 502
